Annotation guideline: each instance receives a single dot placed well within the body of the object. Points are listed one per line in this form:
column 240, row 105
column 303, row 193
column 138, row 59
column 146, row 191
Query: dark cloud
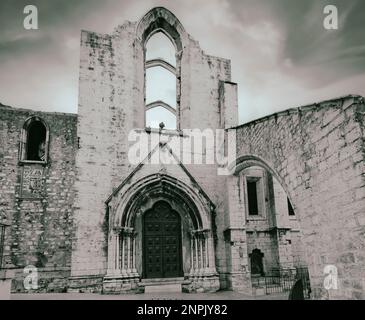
column 281, row 54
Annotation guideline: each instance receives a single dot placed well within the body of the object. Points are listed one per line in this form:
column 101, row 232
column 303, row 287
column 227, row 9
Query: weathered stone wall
column 297, row 248
column 270, row 231
column 317, row 155
column 267, row 243
column 111, row 104
column 40, row 231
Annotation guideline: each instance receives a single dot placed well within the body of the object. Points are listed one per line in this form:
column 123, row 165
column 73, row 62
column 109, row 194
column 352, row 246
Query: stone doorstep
column 163, row 284
column 164, row 288
column 154, row 281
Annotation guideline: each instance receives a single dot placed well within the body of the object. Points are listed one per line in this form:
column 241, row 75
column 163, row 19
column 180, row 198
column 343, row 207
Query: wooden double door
column 162, row 242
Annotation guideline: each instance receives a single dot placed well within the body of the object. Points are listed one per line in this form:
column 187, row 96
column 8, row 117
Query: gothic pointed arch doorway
column 160, row 228
column 162, row 251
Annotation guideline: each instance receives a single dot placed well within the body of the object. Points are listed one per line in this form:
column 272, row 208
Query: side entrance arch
column 162, row 242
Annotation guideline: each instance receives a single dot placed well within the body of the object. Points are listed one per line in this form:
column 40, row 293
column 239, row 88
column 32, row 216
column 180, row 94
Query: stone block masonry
column 317, row 154
column 40, row 226
column 79, row 216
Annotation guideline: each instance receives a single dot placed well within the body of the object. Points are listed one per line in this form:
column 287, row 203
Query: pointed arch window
column 160, row 47
column 34, row 141
column 160, row 82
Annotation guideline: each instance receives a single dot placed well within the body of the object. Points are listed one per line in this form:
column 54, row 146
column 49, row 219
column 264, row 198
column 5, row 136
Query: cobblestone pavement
column 221, row 295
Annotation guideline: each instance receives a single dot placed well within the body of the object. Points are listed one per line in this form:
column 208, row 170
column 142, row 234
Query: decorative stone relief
column 32, row 183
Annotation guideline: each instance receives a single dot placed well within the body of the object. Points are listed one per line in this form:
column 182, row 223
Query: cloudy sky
column 281, row 54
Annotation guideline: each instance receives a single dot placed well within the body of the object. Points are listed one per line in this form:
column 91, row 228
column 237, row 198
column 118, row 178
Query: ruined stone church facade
column 74, row 206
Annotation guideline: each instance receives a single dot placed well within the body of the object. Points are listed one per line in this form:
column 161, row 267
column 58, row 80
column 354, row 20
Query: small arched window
column 161, row 82
column 34, row 142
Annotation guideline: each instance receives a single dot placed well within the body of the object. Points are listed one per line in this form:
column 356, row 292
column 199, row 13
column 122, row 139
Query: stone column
column 117, row 253
column 211, row 257
column 206, row 251
column 113, row 253
column 207, row 257
column 192, row 254
column 134, row 254
column 196, row 255
column 209, row 252
column 199, row 254
column 202, row 252
column 128, row 255
column 123, row 254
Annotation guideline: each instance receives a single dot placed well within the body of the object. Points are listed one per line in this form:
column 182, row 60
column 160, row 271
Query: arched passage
column 246, row 161
column 271, row 229
column 318, row 160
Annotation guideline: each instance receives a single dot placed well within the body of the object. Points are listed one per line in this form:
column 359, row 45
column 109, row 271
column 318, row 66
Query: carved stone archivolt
column 126, row 235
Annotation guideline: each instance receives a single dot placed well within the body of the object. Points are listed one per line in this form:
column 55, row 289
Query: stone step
column 163, row 288
column 154, row 281
column 163, row 284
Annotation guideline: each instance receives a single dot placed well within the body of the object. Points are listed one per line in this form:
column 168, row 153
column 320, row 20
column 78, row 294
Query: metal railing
column 280, row 280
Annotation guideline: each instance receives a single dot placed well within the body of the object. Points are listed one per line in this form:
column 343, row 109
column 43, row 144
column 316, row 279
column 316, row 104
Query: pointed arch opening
column 160, row 85
column 271, row 224
column 159, row 211
column 160, row 47
column 160, row 82
column 162, row 37
column 34, row 141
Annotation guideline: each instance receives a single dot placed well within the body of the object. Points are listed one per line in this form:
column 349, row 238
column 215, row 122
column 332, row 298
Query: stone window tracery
column 161, row 75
